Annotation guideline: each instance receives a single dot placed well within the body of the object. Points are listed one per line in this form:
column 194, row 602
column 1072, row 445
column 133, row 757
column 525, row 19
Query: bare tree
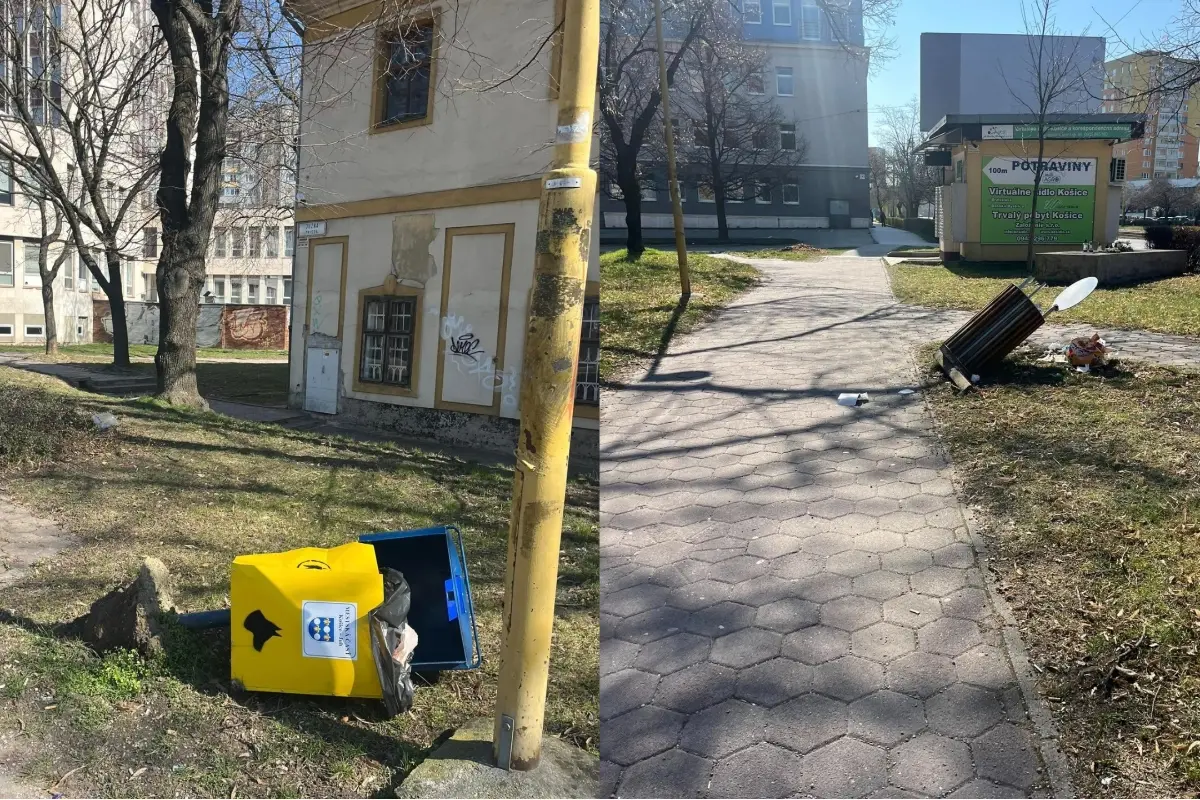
column 909, row 181
column 629, row 90
column 76, row 121
column 1166, row 197
column 1053, row 77
column 878, row 172
column 739, row 136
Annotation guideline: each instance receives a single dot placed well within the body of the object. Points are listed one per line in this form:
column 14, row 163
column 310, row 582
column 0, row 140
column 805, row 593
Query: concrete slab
column 462, row 767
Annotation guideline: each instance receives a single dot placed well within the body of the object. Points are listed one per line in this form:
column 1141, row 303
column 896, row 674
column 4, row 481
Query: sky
column 896, row 82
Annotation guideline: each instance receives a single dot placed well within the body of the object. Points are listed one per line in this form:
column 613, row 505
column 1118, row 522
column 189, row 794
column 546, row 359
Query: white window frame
column 649, row 193
column 239, row 284
column 791, row 125
column 6, row 329
column 287, row 291
column 791, row 76
column 31, row 280
column 252, row 291
column 701, row 191
column 289, row 242
column 12, row 263
column 219, row 288
column 762, row 83
column 41, row 331
column 754, row 18
column 758, row 190
column 810, row 8
column 271, row 297
column 85, row 274
column 784, row 194
column 775, row 6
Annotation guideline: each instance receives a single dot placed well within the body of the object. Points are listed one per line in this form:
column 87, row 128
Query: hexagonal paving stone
column 985, row 666
column 720, row 619
column 883, row 642
column 980, row 788
column 821, row 588
column 912, row 610
column 616, row 655
column 662, row 553
column 635, row 600
column 848, row 678
column 670, row 774
column 773, row 546
column 967, row 604
column 878, row 541
column 902, row 521
column 1007, row 753
column 852, row 563
column 773, row 682
column 672, row 653
column 740, row 568
column 886, row 717
column 920, row 674
column 963, row 711
column 723, row 729
column 816, row 645
column 877, row 506
column 651, row 625
column 745, row 647
column 851, row 612
column 695, row 687
column 624, row 691
column 845, row 768
column 797, row 565
column 763, row 591
column 787, row 615
column 930, row 764
column 610, row 774
column 907, row 560
column 930, row 538
column 807, row 722
column 938, row 581
column 827, row 509
column 949, row 637
column 827, row 543
column 959, row 554
column 880, row 585
column 698, row 595
column 640, row 734
column 763, row 770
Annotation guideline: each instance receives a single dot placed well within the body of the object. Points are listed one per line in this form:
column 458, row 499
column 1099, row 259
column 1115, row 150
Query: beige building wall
column 443, row 210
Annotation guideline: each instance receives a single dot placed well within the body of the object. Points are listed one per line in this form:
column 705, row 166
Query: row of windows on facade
column 74, row 271
column 387, row 355
column 781, row 14
column 269, row 295
column 256, row 242
column 756, row 192
column 36, row 24
column 781, row 137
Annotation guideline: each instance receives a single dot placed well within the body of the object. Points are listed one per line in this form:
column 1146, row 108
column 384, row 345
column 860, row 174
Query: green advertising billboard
column 1066, row 200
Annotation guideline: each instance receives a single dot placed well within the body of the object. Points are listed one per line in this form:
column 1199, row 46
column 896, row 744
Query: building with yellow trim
column 425, row 130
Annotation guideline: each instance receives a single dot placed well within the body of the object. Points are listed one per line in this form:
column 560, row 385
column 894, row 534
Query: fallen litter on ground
column 853, row 399
column 800, row 247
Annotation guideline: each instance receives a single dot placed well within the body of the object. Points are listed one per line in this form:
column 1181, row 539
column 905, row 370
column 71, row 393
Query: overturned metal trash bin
column 990, row 335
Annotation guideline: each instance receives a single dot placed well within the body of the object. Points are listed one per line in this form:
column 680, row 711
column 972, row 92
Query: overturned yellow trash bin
column 300, row 621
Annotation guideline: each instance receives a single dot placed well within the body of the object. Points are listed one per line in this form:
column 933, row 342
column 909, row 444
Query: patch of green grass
column 1090, row 485
column 104, row 352
column 1166, row 306
column 791, row 255
column 196, row 490
column 641, row 303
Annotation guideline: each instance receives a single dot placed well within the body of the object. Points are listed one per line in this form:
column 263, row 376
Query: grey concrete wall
column 1110, row 269
column 991, row 73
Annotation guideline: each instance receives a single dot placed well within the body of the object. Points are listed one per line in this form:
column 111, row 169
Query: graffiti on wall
column 247, row 325
column 472, row 359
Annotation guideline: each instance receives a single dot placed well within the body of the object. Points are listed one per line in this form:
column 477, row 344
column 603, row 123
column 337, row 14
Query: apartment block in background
column 1169, row 147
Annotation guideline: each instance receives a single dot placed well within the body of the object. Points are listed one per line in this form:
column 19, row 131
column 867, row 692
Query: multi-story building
column 1169, row 147
column 423, row 141
column 816, row 73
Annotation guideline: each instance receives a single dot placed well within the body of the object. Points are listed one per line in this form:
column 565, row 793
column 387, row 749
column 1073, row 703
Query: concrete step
column 122, row 385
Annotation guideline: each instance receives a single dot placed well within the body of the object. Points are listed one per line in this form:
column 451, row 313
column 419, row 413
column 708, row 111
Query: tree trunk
column 180, row 280
column 1037, row 183
column 631, row 191
column 722, row 219
column 48, row 310
column 116, row 303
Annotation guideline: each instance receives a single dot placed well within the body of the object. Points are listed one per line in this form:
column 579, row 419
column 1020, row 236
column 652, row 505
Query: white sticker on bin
column 329, row 630
column 564, row 183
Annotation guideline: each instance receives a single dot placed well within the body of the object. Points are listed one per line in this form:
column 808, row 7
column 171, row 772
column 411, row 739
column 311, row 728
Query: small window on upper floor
column 781, row 12
column 810, row 20
column 752, row 12
column 406, row 77
column 785, row 84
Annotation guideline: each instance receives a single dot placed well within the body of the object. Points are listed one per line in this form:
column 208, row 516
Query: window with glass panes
column 271, row 241
column 256, row 242
column 219, row 243
column 388, row 326
column 289, row 242
column 287, row 291
column 271, row 295
column 235, row 291
column 587, row 379
column 6, row 264
column 237, row 247
column 409, row 67
column 33, row 272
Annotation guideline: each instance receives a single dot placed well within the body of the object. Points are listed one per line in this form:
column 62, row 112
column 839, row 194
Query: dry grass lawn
column 1090, row 485
column 197, row 490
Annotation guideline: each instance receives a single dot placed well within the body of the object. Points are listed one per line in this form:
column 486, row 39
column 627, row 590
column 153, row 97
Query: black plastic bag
column 393, row 642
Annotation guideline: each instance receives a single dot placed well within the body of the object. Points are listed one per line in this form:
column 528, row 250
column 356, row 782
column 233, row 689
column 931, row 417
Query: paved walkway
column 791, row 600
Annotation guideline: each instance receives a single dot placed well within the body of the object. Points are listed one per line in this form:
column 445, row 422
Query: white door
column 471, row 325
column 321, row 385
